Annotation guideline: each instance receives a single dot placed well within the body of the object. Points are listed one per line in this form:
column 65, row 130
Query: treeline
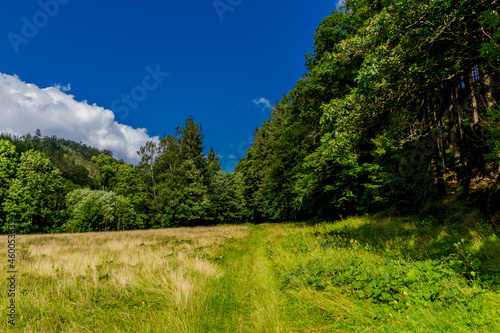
column 183, row 186
column 54, row 185
column 398, row 108
column 51, row 145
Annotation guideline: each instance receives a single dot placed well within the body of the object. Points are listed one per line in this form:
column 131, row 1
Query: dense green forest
column 397, row 111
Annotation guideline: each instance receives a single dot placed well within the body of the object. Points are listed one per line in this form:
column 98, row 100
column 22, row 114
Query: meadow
column 362, row 274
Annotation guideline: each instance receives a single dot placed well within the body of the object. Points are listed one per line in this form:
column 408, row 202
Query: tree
column 99, row 211
column 87, row 212
column 108, row 169
column 212, row 166
column 9, row 160
column 36, row 194
column 227, row 199
column 191, row 143
column 129, row 185
column 125, row 216
column 147, row 172
column 182, row 174
column 183, row 197
column 385, row 78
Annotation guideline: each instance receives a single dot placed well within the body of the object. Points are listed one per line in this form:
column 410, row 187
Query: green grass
column 362, row 274
column 389, row 275
column 247, row 298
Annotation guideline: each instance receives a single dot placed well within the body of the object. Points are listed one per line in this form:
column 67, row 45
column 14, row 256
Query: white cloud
column 262, row 101
column 232, row 156
column 26, row 107
column 339, row 4
column 63, row 88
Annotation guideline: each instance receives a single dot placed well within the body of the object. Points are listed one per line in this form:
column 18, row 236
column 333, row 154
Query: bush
column 99, row 210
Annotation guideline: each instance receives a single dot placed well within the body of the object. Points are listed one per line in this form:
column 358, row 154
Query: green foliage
column 108, row 169
column 9, row 160
column 185, row 186
column 358, row 132
column 397, row 108
column 147, row 174
column 226, row 198
column 173, row 185
column 491, row 126
column 183, row 198
column 35, row 195
column 92, row 210
column 71, row 158
column 395, row 274
column 191, row 143
column 393, row 282
column 491, row 48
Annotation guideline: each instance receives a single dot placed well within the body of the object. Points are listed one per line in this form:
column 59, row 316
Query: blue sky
column 219, row 64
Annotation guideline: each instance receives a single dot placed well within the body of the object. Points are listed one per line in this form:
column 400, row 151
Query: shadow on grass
column 473, row 246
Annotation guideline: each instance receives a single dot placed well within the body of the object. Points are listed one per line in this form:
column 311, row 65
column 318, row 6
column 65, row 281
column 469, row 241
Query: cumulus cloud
column 232, row 156
column 26, row 107
column 265, row 103
column 339, row 4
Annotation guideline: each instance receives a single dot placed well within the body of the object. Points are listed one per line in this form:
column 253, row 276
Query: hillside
column 73, row 159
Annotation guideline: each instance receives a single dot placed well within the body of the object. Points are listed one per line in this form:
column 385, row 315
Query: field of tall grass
column 362, row 274
column 133, row 281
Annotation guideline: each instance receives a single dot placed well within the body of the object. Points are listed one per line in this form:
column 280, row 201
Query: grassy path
column 246, row 298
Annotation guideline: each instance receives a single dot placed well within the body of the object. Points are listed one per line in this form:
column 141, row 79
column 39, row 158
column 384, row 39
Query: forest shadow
column 471, row 245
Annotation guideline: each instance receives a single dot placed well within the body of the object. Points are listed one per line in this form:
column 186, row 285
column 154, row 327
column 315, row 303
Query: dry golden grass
column 74, row 253
column 65, row 272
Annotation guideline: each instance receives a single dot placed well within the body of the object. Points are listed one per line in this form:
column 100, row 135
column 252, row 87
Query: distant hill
column 72, row 158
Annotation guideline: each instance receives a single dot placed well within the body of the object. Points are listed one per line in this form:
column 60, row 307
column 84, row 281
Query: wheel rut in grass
column 246, row 298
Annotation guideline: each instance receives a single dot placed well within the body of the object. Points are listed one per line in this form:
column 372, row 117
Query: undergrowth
column 396, row 274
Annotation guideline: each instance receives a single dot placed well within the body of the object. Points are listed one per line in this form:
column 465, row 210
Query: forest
column 397, row 112
column 52, row 185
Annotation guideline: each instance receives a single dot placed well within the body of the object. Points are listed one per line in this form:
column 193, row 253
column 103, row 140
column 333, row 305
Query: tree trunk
column 441, row 186
column 457, row 137
column 474, row 92
column 488, row 85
